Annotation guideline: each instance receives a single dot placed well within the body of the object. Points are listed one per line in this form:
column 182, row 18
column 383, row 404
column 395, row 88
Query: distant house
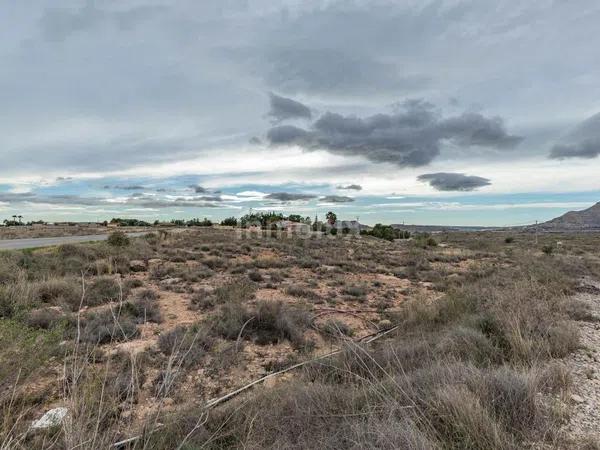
column 113, row 225
column 292, row 227
column 352, row 225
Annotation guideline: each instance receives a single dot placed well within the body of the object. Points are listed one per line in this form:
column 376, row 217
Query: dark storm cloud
column 350, row 187
column 289, row 197
column 283, row 108
column 210, row 198
column 445, row 181
column 409, row 137
column 198, row 189
column 336, row 199
column 582, row 142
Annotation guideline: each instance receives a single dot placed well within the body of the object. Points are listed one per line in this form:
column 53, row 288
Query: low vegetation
column 444, row 341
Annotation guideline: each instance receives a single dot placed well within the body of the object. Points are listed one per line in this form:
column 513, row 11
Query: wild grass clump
column 296, row 290
column 142, row 310
column 269, row 322
column 255, row 276
column 237, row 291
column 336, row 328
column 45, row 318
column 17, row 297
column 107, row 326
column 103, row 290
column 355, row 291
column 187, row 345
column 118, row 239
column 65, row 292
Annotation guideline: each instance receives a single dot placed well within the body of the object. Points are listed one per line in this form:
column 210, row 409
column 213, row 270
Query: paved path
column 17, row 244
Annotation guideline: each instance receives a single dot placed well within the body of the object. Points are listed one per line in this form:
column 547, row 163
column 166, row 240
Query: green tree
column 229, row 222
column 331, row 218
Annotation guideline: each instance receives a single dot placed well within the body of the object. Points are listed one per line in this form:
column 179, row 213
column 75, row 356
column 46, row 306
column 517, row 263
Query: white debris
column 52, row 418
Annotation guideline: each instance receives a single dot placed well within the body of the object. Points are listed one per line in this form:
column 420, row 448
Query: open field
column 46, row 231
column 466, row 340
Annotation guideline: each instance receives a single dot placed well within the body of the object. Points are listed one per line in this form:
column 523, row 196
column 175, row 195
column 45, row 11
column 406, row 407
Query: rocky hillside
column 588, row 219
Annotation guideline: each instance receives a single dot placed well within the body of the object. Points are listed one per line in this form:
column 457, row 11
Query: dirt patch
column 585, row 369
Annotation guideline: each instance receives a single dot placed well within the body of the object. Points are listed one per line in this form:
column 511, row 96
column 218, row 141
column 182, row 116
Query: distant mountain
column 588, row 219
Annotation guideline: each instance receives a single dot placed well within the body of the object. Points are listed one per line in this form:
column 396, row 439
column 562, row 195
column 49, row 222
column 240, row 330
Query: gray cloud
column 336, row 199
column 129, row 187
column 174, row 204
column 409, row 137
column 198, row 189
column 136, row 199
column 62, row 199
column 208, row 198
column 283, row 108
column 447, row 181
column 59, row 23
column 350, row 187
column 582, row 142
column 289, row 197
column 335, row 71
column 585, row 149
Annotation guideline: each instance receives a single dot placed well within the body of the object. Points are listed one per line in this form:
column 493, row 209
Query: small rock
column 384, row 324
column 51, row 419
column 577, row 398
column 137, row 266
column 170, row 281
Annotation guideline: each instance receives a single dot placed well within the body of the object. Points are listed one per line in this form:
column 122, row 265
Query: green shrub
column 274, row 322
column 229, row 222
column 235, row 291
column 103, row 290
column 60, row 292
column 142, row 310
column 548, row 249
column 44, row 318
column 255, row 276
column 187, row 344
column 118, row 239
column 102, row 327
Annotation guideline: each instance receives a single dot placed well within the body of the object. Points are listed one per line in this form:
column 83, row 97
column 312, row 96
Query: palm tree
column 20, row 217
column 331, row 218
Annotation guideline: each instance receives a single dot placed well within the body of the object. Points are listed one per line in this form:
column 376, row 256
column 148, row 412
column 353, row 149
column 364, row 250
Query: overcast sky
column 442, row 112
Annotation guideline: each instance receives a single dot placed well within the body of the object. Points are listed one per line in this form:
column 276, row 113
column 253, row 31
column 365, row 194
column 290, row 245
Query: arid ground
column 457, row 340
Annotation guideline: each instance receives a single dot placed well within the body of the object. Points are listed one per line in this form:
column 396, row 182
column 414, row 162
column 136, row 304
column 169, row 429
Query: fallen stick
column 212, row 403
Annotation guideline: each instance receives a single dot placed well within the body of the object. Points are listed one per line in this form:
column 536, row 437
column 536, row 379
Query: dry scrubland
column 135, row 339
column 27, row 232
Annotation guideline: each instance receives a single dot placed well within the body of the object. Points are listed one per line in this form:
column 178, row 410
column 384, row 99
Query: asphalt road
column 18, row 244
